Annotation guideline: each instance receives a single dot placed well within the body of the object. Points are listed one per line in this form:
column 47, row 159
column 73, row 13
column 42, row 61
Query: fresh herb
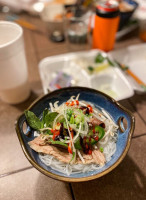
column 45, row 112
column 58, row 142
column 81, row 111
column 33, row 121
column 89, row 115
column 72, row 120
column 62, row 120
column 99, row 58
column 77, row 144
column 69, row 112
column 110, row 62
column 73, row 156
column 123, row 67
column 78, row 119
column 65, row 125
column 90, row 68
column 48, row 132
column 49, row 118
column 101, row 149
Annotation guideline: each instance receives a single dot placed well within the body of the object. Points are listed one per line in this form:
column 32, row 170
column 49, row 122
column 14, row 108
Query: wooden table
column 20, row 181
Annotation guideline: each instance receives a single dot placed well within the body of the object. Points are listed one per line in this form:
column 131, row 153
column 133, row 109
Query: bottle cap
column 108, row 9
column 108, row 6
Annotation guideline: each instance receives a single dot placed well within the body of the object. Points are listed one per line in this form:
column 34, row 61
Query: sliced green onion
column 72, row 120
column 101, row 149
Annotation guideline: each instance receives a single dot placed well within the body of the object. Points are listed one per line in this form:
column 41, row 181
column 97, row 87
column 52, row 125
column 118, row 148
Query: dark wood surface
column 20, row 181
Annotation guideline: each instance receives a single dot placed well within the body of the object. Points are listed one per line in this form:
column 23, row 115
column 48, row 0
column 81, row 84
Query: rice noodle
column 82, row 159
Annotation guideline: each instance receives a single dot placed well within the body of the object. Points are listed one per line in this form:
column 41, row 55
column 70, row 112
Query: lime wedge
column 101, row 67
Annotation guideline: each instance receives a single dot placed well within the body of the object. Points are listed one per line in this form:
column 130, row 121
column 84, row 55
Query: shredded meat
column 38, row 145
column 97, row 122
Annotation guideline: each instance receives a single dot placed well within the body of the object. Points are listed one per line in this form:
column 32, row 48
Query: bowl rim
column 71, row 179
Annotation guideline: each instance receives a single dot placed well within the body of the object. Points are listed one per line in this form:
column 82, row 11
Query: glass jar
column 76, row 35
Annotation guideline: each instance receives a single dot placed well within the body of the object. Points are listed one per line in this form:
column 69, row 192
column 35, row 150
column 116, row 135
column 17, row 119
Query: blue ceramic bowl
column 99, row 99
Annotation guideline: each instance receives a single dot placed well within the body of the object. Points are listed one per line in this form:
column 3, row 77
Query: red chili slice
column 72, row 103
column 52, row 131
column 96, row 138
column 69, row 149
column 54, row 136
column 90, row 108
column 90, row 152
column 55, row 133
column 72, row 134
column 77, row 102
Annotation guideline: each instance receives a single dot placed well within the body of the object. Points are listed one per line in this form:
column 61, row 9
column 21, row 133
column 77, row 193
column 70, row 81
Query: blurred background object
column 18, row 5
column 140, row 14
column 127, row 9
column 105, row 25
column 14, row 86
column 32, row 6
column 55, row 12
column 53, row 16
column 76, row 34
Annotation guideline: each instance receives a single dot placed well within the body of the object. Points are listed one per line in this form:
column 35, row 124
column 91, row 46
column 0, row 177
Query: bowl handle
column 22, row 126
column 126, row 122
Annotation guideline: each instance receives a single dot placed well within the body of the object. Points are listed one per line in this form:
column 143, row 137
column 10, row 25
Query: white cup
column 14, row 87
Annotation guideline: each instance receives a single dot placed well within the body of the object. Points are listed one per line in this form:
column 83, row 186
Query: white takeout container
column 112, row 80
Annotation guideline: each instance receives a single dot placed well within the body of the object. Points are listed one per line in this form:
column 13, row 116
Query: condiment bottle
column 105, row 25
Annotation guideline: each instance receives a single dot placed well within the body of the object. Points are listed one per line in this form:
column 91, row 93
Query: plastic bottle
column 105, row 25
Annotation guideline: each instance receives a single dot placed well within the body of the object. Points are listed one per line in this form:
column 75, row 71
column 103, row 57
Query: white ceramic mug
column 14, row 87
